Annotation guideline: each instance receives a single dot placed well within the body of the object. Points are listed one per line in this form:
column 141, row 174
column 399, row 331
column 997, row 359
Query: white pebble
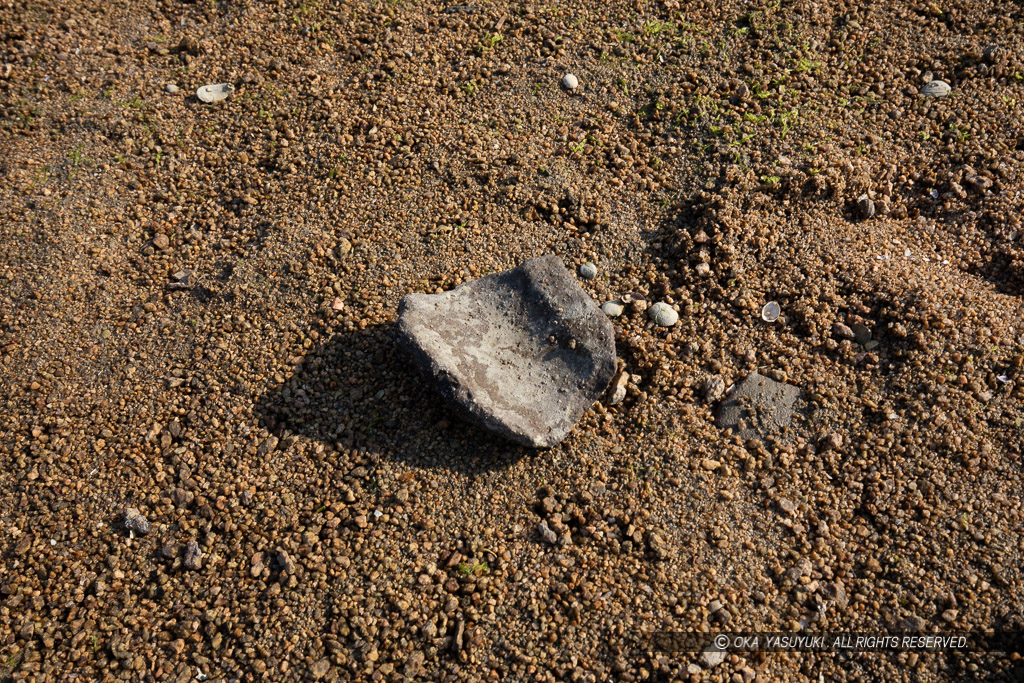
column 588, row 271
column 613, row 309
column 770, row 312
column 570, row 82
column 663, row 314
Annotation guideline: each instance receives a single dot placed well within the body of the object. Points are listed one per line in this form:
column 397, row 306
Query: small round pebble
column 171, row 88
column 214, row 93
column 663, row 314
column 770, row 312
column 613, row 309
column 588, row 271
column 936, row 89
column 570, row 82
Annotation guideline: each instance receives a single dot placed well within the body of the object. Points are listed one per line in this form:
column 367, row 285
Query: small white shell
column 770, row 312
column 214, row 93
column 663, row 314
column 936, row 89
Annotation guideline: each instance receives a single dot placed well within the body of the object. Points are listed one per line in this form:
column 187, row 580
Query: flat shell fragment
column 524, row 352
column 214, row 93
column 770, row 312
column 936, row 89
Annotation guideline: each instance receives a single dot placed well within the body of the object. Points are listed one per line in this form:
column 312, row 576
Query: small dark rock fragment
column 193, row 555
column 861, row 333
column 547, row 533
column 180, row 280
column 135, row 522
column 865, row 207
column 460, row 629
column 189, row 45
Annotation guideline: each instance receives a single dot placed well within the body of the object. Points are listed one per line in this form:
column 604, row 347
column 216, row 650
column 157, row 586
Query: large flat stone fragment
column 758, row 407
column 523, row 352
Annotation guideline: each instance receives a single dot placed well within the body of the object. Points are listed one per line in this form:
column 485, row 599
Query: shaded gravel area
column 216, row 462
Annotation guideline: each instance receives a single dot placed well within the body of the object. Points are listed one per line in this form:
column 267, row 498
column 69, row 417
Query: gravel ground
column 197, row 307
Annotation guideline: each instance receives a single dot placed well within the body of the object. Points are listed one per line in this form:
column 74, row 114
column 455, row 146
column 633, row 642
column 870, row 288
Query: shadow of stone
column 359, row 391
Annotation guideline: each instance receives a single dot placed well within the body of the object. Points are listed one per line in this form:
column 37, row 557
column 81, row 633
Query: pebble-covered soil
column 215, row 462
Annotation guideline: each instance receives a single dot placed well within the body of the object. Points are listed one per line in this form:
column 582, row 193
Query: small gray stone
column 712, row 658
column 936, row 88
column 861, row 333
column 613, row 309
column 193, row 555
column 865, row 207
column 703, row 269
column 214, row 93
column 758, row 407
column 523, row 352
column 171, row 88
column 135, row 522
column 546, row 533
column 588, row 271
column 663, row 314
column 570, row 82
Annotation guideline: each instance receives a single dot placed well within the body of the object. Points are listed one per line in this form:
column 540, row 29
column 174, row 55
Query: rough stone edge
column 450, row 389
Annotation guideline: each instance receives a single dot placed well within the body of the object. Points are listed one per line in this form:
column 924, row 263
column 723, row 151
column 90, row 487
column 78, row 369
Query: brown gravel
column 197, row 307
